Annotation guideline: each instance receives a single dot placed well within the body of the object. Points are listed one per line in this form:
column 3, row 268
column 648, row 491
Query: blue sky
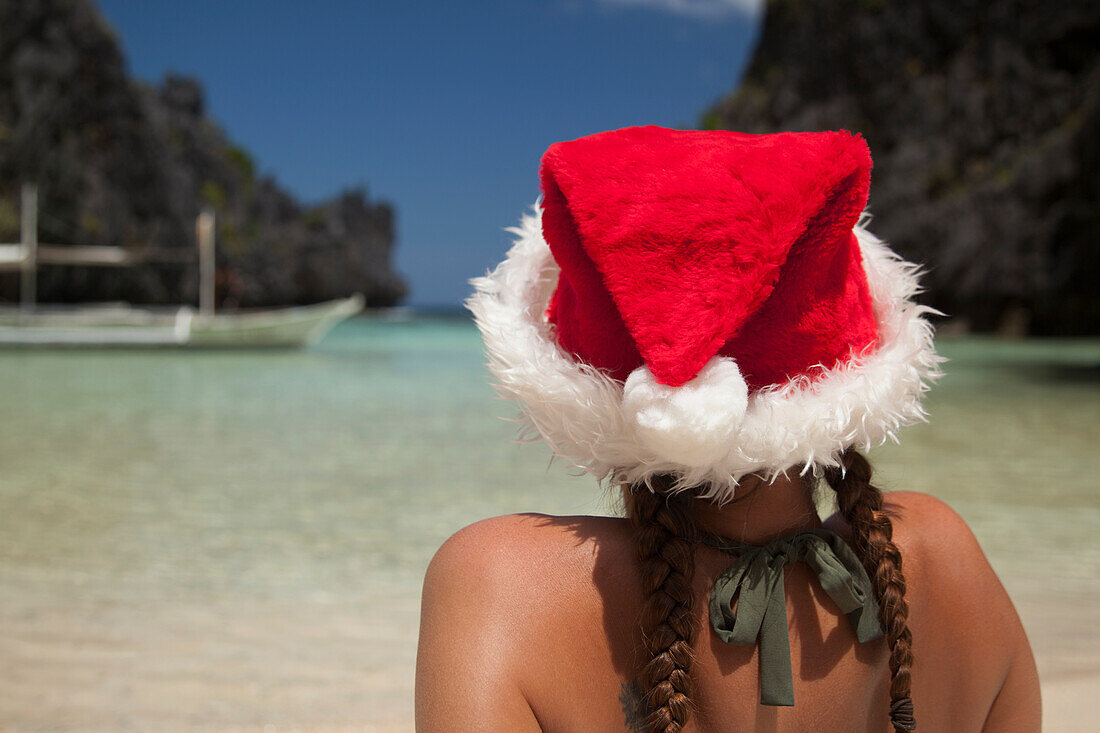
column 442, row 108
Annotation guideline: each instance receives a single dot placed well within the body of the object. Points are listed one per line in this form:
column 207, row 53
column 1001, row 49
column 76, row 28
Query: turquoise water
column 236, row 539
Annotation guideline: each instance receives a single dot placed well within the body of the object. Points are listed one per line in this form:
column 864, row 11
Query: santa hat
column 705, row 304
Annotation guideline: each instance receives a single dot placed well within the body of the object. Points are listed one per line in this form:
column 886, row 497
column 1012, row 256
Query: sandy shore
column 1069, row 704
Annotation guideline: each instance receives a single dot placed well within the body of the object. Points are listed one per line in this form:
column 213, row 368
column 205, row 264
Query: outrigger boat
column 124, row 325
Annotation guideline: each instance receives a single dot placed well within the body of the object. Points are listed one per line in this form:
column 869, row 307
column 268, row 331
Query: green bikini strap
column 755, row 580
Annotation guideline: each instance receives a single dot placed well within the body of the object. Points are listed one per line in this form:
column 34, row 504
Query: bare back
column 530, row 622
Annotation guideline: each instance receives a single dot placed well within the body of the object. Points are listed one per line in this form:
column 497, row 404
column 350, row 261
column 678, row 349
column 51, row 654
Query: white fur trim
column 694, row 423
column 807, row 422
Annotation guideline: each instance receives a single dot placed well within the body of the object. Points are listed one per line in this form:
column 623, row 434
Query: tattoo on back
column 634, row 707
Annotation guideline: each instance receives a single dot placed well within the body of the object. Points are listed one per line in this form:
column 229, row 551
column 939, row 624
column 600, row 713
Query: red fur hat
column 705, row 304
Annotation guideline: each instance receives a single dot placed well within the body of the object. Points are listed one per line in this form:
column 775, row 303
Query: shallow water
column 236, row 539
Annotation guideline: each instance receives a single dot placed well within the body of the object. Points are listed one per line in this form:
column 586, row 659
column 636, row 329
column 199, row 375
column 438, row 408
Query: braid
column 663, row 539
column 860, row 504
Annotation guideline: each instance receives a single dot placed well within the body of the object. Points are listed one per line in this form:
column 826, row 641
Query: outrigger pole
column 28, row 242
column 204, row 234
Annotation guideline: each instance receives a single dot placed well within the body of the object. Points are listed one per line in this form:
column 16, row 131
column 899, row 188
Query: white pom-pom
column 694, row 424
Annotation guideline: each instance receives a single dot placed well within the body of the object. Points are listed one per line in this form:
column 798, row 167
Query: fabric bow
column 756, row 581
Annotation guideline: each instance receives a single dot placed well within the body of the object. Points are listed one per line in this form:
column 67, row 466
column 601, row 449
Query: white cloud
column 704, row 9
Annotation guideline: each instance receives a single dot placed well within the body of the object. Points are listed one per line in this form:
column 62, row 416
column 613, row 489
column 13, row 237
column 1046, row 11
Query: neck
column 761, row 511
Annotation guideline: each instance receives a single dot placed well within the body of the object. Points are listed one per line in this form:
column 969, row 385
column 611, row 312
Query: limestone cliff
column 984, row 122
column 119, row 162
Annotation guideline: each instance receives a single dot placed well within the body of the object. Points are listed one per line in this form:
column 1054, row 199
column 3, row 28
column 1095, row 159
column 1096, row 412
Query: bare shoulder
column 521, row 547
column 529, row 531
column 494, row 567
column 495, row 595
column 930, row 529
column 941, row 554
column 960, row 610
column 929, row 532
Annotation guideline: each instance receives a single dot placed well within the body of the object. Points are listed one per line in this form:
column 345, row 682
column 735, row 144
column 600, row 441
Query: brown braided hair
column 664, row 539
column 860, row 503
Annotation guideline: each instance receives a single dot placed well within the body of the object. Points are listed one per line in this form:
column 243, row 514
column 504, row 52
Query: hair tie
column 901, row 714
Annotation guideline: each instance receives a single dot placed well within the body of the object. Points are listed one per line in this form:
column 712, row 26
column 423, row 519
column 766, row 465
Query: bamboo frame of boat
column 123, row 325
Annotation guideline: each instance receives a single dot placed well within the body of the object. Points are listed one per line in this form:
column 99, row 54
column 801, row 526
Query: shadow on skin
column 614, row 575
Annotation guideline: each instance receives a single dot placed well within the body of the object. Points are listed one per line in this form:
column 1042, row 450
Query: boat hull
column 124, row 326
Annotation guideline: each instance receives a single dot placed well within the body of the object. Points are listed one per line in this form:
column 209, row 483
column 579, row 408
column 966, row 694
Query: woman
column 700, row 318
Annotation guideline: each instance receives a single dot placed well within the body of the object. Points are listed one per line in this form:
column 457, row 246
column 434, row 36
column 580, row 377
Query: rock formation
column 984, row 122
column 119, row 162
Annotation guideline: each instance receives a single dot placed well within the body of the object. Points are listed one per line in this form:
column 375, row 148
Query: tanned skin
column 530, row 623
